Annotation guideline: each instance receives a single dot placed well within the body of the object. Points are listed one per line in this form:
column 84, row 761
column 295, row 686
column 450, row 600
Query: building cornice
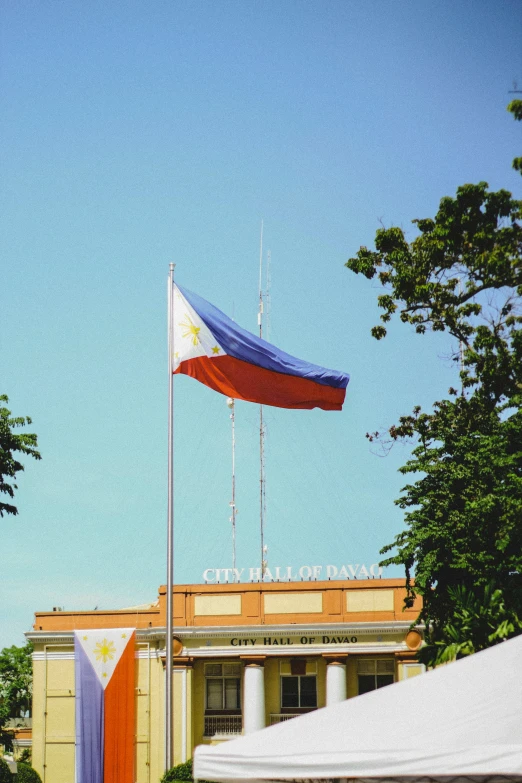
column 184, row 633
column 57, row 638
column 291, row 629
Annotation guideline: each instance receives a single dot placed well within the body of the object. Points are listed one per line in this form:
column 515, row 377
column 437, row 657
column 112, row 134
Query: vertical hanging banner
column 105, row 705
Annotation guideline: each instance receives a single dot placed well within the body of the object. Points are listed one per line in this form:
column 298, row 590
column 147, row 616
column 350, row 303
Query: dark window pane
column 366, row 683
column 289, row 692
column 308, row 692
column 384, row 679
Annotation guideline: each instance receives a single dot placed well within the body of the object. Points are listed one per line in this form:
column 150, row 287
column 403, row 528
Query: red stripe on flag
column 243, row 381
column 119, row 720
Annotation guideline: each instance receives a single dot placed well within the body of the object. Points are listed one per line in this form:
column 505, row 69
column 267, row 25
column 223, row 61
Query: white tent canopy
column 459, row 722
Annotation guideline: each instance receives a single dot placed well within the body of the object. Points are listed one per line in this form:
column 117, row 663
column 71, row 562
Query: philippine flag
column 105, row 705
column 209, row 346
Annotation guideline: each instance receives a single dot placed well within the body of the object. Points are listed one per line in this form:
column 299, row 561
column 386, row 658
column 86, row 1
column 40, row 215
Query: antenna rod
column 230, row 403
column 261, row 423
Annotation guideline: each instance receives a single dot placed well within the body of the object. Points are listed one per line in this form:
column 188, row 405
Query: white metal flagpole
column 170, row 537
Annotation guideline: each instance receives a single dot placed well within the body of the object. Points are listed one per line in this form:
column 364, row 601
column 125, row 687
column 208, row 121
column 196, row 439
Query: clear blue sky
column 138, row 133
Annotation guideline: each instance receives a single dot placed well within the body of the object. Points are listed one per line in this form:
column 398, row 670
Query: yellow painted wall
column 53, row 717
column 53, row 694
column 38, row 714
column 321, row 682
column 352, row 686
column 272, row 691
column 198, row 693
column 157, row 721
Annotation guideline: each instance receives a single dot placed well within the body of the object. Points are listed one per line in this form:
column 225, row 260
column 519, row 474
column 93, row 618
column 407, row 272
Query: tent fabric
column 460, row 722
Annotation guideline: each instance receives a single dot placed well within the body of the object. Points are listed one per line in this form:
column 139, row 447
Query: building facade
column 245, row 656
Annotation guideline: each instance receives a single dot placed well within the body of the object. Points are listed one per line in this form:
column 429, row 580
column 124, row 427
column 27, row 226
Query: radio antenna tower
column 263, row 296
column 232, row 504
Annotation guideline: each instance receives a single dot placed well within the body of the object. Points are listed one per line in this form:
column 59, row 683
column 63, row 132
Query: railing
column 223, row 724
column 279, row 717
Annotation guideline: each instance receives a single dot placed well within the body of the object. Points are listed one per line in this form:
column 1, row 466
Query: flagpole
column 170, row 538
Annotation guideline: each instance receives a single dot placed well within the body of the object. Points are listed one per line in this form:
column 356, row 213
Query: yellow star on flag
column 190, row 329
column 216, row 349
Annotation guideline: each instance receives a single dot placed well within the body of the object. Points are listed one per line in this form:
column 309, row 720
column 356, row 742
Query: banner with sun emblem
column 105, row 705
column 213, row 349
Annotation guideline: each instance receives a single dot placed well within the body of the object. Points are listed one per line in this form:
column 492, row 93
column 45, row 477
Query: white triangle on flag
column 192, row 337
column 104, row 648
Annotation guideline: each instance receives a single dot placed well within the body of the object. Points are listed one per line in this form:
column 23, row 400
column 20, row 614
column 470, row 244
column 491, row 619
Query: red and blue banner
column 105, row 705
column 210, row 347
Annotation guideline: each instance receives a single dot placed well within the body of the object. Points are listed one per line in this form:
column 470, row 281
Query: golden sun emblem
column 190, row 329
column 104, row 651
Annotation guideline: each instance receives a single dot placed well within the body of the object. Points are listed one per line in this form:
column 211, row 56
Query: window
column 222, row 687
column 374, row 674
column 298, row 692
column 298, row 685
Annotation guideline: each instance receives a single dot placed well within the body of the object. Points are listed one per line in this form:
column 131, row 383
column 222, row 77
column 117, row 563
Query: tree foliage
column 515, row 107
column 26, row 774
column 179, row 772
column 461, row 274
column 6, row 776
column 16, row 681
column 12, row 443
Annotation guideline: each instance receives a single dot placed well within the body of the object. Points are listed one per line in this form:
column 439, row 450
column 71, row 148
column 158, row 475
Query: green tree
column 12, row 443
column 26, row 774
column 515, row 107
column 461, row 274
column 16, row 682
column 6, row 776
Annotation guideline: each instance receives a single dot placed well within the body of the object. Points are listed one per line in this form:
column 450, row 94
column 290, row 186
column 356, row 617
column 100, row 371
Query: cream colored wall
column 157, row 720
column 293, row 603
column 370, row 600
column 38, row 716
column 217, row 605
column 53, row 717
column 143, row 683
column 54, row 733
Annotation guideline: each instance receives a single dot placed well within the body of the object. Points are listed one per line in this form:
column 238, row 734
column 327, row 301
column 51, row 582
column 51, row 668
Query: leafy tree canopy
column 515, row 107
column 461, row 274
column 12, row 443
column 26, row 774
column 6, row 776
column 16, row 681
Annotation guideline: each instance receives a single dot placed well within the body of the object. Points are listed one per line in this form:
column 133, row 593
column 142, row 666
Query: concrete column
column 335, row 682
column 254, row 697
